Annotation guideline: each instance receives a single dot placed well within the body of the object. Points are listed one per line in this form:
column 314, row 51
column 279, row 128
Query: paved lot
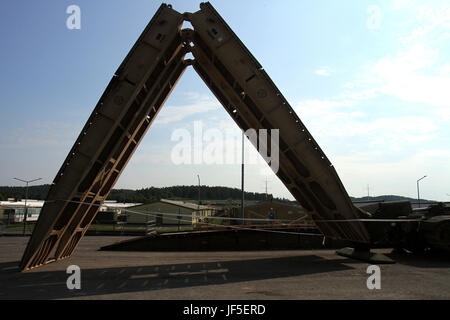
column 295, row 274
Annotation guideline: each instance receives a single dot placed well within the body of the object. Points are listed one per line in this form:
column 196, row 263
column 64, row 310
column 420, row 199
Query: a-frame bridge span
column 131, row 102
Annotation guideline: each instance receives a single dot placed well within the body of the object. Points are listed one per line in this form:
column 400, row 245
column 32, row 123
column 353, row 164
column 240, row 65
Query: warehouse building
column 275, row 211
column 270, row 212
column 112, row 212
column 169, row 212
column 13, row 211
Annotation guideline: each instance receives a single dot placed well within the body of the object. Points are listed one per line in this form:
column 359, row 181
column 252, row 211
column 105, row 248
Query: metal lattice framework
column 131, row 102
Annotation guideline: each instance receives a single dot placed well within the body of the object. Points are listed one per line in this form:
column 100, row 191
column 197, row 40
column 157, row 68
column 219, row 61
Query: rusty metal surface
column 133, row 99
column 125, row 111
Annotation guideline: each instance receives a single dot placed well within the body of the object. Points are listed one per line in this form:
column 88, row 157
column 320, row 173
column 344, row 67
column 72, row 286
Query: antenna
column 266, row 188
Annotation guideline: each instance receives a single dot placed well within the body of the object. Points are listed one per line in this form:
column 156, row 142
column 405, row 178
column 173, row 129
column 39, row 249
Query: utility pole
column 242, row 173
column 25, row 211
column 418, row 195
column 266, row 188
column 198, row 176
column 198, row 205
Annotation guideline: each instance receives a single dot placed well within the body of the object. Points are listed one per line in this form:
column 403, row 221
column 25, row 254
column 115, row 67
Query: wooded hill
column 147, row 195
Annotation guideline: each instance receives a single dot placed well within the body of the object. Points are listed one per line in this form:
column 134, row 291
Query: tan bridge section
column 132, row 101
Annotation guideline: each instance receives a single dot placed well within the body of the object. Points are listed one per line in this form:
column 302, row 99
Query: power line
column 250, row 219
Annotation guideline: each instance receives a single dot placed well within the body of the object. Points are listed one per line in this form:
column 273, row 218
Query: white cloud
column 154, row 154
column 443, row 114
column 391, row 149
column 328, row 120
column 197, row 104
column 414, row 76
column 353, row 98
column 419, row 71
column 40, row 134
column 324, row 71
column 396, row 176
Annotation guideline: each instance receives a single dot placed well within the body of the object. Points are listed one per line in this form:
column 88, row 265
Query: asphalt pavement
column 247, row 275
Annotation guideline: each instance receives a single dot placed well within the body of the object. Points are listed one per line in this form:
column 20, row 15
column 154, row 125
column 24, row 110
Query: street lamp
column 198, row 210
column 418, row 195
column 26, row 197
column 198, row 176
column 242, row 182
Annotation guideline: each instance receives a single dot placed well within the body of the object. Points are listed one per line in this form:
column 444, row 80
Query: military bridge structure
column 132, row 101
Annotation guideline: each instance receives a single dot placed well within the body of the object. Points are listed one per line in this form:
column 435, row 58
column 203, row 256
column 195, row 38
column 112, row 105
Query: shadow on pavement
column 102, row 281
column 427, row 259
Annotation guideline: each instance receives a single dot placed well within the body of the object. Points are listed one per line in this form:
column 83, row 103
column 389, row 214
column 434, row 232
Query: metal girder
column 124, row 113
column 133, row 99
column 252, row 99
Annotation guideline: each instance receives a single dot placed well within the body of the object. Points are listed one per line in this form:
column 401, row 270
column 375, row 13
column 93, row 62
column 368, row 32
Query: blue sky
column 369, row 79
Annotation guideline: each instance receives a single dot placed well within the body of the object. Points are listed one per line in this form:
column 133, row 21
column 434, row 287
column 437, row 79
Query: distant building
column 368, row 205
column 360, row 204
column 268, row 210
column 277, row 211
column 117, row 207
column 13, row 211
column 169, row 212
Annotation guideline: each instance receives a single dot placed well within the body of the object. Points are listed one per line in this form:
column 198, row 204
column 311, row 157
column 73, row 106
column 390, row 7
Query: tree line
column 147, row 195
